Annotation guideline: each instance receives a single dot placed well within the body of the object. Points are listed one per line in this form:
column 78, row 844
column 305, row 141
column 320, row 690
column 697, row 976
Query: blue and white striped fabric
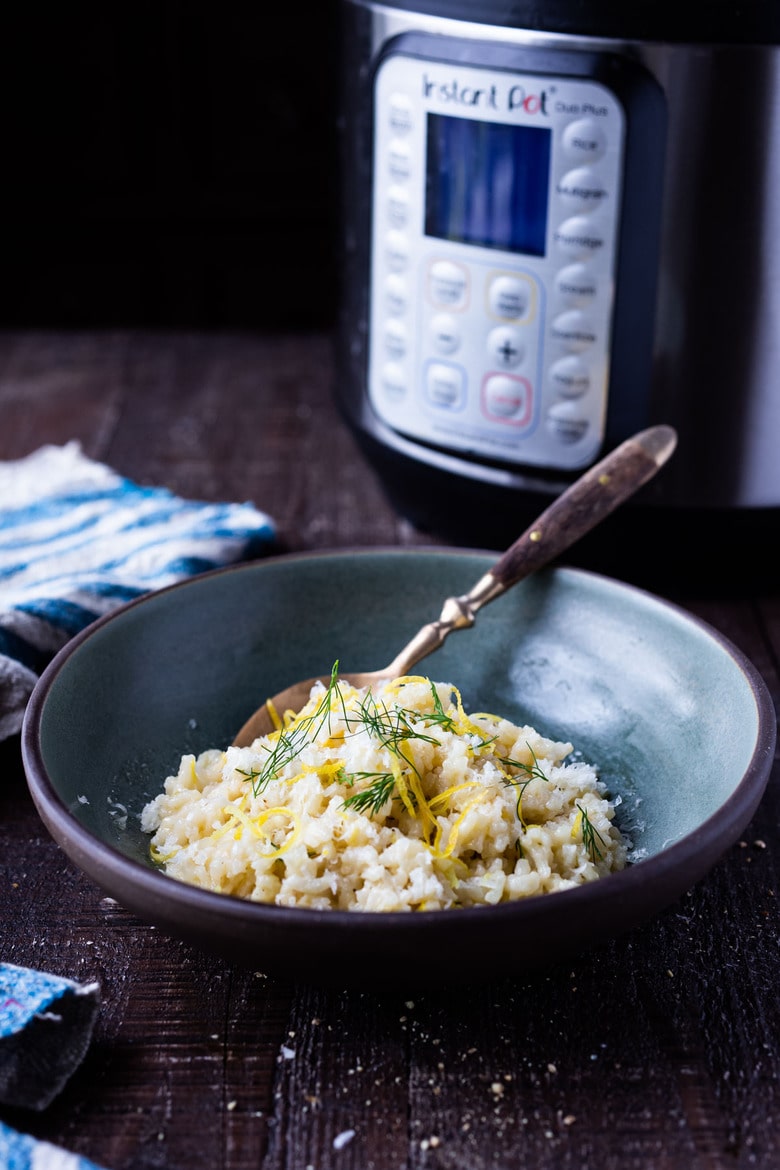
column 46, row 1025
column 20, row 1152
column 77, row 540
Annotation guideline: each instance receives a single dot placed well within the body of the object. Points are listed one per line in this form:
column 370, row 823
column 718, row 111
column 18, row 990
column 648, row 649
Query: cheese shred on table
column 391, row 799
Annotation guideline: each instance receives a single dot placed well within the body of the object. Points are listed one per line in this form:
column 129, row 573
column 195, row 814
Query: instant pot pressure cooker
column 562, row 224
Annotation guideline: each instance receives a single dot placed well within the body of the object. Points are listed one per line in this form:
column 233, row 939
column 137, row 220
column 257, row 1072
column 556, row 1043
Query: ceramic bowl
column 679, row 724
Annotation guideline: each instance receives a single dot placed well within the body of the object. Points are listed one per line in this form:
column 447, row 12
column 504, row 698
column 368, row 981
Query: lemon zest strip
column 279, row 810
column 239, row 819
column 325, row 771
column 230, row 823
column 463, row 724
column 422, row 803
column 440, row 854
column 403, row 791
column 405, row 680
column 160, row 858
column 444, row 796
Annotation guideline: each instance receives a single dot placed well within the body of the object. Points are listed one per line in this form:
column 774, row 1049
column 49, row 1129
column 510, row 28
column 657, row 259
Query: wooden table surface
column 661, row 1049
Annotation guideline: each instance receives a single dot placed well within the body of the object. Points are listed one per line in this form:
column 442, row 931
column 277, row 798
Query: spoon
column 578, row 509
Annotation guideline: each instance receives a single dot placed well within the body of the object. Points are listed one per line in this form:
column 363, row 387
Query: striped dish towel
column 46, row 1024
column 20, row 1152
column 77, row 540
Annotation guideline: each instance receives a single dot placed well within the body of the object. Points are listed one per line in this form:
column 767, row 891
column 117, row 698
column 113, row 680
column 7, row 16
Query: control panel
column 495, row 215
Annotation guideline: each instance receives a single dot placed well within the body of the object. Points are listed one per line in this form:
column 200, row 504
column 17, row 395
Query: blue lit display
column 487, row 183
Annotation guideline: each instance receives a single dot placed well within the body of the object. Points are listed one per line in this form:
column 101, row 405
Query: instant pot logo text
column 488, row 97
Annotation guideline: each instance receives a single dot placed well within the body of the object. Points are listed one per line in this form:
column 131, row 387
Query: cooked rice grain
column 471, row 809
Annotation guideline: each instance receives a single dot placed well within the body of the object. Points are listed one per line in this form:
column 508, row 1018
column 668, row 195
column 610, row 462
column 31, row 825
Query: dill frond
column 528, row 772
column 590, row 835
column 375, row 796
column 291, row 740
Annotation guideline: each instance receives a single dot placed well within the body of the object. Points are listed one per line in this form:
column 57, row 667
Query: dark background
column 169, row 165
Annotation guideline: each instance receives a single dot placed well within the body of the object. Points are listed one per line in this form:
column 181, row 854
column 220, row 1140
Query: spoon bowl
column 583, row 505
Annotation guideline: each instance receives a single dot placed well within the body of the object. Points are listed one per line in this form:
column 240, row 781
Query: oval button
column 401, row 113
column 396, row 251
column 578, row 236
column 448, row 284
column 445, row 384
column 575, row 330
column 584, row 140
column 567, row 423
column 510, row 297
column 580, row 190
column 397, row 207
column 576, row 284
column 570, row 377
column 445, row 333
column 396, row 295
column 399, row 160
column 393, row 380
column 395, row 339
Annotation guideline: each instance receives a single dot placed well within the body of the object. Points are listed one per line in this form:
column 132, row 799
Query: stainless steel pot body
column 713, row 368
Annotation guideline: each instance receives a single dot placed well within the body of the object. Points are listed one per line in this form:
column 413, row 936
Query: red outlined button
column 507, row 398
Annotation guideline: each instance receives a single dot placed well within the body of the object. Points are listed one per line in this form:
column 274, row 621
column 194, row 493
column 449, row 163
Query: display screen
column 487, row 183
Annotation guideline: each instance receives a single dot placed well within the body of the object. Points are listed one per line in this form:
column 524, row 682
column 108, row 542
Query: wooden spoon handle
column 576, row 511
column 583, row 505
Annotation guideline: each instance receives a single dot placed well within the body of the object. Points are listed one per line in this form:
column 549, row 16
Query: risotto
column 394, row 799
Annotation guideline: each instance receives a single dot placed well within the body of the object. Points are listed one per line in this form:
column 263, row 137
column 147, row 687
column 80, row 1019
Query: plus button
column 508, row 353
column 506, row 347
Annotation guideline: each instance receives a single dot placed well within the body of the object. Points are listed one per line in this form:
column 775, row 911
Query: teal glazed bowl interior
column 677, row 721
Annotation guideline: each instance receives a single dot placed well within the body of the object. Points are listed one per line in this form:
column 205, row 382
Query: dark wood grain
column 660, row 1049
